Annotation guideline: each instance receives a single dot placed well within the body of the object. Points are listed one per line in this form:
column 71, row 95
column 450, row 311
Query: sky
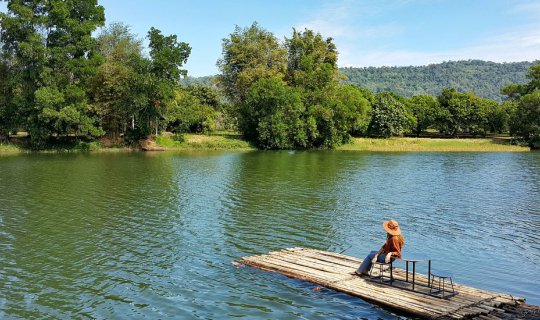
column 366, row 33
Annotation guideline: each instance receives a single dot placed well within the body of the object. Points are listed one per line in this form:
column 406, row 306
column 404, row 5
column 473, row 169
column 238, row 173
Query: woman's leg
column 366, row 264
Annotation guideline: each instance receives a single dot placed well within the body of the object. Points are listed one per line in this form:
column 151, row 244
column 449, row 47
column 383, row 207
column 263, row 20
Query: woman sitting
column 389, row 251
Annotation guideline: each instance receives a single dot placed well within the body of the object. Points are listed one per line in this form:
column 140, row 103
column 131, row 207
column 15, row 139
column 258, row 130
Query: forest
column 60, row 82
column 483, row 78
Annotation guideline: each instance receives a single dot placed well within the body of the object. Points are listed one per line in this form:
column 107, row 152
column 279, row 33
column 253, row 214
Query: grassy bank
column 9, row 148
column 23, row 147
column 233, row 141
column 213, row 141
column 433, row 145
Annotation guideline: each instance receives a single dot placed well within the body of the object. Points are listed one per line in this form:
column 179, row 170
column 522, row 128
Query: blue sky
column 367, row 33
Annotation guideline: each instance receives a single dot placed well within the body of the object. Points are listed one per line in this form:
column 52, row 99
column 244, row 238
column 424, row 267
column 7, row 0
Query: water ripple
column 153, row 235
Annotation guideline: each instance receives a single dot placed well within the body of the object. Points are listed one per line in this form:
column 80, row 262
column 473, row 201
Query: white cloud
column 345, row 20
column 513, row 46
column 350, row 23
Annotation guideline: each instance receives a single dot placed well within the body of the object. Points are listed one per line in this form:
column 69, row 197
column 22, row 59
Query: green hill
column 205, row 81
column 484, row 78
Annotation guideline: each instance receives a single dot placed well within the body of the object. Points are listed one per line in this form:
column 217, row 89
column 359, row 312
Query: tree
column 515, row 91
column 193, row 110
column 425, row 110
column 114, row 94
column 206, row 95
column 132, row 92
column 388, row 116
column 167, row 58
column 353, row 110
column 225, row 119
column 526, row 119
column 312, row 65
column 52, row 46
column 496, row 116
column 249, row 54
column 8, row 112
column 464, row 112
column 289, row 97
column 272, row 116
column 332, row 112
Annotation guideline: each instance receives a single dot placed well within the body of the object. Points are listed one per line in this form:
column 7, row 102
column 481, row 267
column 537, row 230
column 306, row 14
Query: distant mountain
column 205, row 81
column 484, row 78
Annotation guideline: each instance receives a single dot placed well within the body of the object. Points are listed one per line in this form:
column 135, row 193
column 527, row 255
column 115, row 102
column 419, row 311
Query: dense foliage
column 60, row 82
column 525, row 101
column 424, row 112
column 388, row 116
column 51, row 50
column 287, row 95
column 484, row 78
column 194, row 109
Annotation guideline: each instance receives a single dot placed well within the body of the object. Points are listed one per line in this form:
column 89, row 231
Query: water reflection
column 284, row 200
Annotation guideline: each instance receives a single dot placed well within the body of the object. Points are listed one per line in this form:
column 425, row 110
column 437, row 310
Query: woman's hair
column 399, row 238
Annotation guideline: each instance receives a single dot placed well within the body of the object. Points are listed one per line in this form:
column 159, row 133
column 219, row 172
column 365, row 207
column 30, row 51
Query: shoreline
column 407, row 144
column 233, row 142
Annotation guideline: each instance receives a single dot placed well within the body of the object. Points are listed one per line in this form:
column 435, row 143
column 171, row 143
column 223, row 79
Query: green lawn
column 8, row 148
column 433, row 144
column 225, row 140
column 214, row 141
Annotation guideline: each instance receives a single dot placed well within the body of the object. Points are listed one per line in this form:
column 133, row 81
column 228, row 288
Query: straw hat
column 392, row 227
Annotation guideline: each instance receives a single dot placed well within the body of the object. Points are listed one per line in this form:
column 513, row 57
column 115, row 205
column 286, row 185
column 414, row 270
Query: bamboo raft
column 333, row 271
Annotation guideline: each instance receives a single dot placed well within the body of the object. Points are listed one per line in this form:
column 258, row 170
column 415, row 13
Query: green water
column 135, row 235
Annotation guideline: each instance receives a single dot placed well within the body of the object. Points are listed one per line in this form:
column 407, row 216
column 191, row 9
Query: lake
column 153, row 235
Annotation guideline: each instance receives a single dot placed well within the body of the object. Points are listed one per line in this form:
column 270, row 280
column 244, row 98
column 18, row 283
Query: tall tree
column 312, row 64
column 331, row 111
column 131, row 92
column 53, row 49
column 525, row 120
column 272, row 116
column 258, row 73
column 249, row 54
column 113, row 89
column 167, row 57
column 351, row 111
column 8, row 112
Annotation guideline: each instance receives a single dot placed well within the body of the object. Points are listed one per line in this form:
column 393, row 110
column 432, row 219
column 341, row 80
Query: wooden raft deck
column 333, row 271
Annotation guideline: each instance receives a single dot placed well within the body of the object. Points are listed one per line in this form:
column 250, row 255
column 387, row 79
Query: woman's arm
column 381, row 250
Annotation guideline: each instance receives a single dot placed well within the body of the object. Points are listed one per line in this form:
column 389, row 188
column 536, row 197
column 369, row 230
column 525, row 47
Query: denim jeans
column 366, row 264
